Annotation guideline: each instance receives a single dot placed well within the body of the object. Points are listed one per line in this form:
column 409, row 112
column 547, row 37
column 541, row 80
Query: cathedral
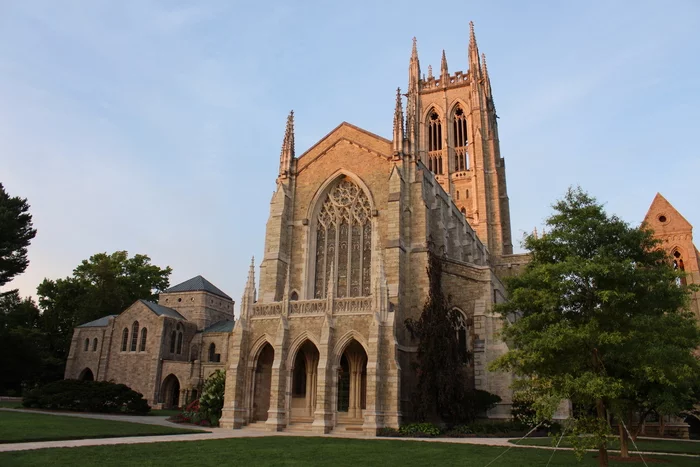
column 320, row 343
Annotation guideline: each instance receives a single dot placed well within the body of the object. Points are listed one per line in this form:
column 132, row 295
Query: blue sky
column 155, row 126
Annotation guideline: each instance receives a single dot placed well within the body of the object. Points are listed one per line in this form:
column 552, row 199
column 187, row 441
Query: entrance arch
column 352, row 384
column 304, row 372
column 170, row 392
column 86, row 375
column 262, row 382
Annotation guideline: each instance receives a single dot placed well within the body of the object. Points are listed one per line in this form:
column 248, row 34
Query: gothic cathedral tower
column 451, row 126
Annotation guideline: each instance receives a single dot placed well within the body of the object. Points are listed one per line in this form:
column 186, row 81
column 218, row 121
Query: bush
column 87, row 396
column 525, row 411
column 478, row 402
column 487, row 429
column 212, row 400
column 419, row 430
column 388, row 432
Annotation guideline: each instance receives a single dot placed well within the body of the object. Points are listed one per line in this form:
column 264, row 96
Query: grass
column 17, row 427
column 11, row 405
column 298, row 451
column 164, row 412
column 646, row 445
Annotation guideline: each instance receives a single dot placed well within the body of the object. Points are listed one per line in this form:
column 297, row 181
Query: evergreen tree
column 16, row 233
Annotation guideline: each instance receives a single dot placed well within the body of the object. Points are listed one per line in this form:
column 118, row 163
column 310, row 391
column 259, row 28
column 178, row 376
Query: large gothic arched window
column 434, row 143
column 460, row 139
column 344, row 241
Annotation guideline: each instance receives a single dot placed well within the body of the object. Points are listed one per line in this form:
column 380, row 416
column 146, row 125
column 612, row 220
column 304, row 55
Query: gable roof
column 161, row 310
column 220, row 326
column 198, row 284
column 98, row 323
column 661, row 206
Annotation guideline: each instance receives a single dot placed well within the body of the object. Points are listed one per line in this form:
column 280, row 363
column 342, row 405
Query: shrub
column 87, row 396
column 486, row 429
column 478, row 402
column 524, row 410
column 388, row 432
column 419, row 430
column 212, row 400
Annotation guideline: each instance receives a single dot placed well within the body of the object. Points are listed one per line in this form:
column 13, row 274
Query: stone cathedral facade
column 322, row 344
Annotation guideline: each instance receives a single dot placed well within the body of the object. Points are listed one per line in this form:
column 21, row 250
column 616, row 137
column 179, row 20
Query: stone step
column 299, row 427
column 257, row 426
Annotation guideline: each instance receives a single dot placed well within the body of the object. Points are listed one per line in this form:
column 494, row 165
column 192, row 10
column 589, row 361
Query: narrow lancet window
column 344, row 242
column 461, row 141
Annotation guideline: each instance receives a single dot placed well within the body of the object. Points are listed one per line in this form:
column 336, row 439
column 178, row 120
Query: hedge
column 87, row 396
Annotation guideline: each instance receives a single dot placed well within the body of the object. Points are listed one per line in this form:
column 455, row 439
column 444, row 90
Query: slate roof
column 161, row 310
column 98, row 323
column 221, row 326
column 198, row 284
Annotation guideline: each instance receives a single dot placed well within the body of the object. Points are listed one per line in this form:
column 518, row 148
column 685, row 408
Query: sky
column 155, row 126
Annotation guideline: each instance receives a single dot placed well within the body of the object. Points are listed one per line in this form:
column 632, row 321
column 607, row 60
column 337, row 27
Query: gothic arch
column 86, row 375
column 313, row 211
column 344, row 341
column 457, row 102
column 297, row 343
column 257, row 346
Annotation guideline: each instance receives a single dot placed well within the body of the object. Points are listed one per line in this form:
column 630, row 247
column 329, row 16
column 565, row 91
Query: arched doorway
column 262, row 383
column 304, row 377
column 352, row 384
column 86, row 375
column 170, row 392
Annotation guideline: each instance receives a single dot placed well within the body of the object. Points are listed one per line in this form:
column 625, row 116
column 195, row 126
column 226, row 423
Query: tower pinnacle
column 398, row 125
column 287, row 153
column 443, row 67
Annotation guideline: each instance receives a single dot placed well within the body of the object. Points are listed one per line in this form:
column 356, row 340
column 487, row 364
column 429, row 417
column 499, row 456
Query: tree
column 16, row 233
column 441, row 389
column 103, row 285
column 602, row 321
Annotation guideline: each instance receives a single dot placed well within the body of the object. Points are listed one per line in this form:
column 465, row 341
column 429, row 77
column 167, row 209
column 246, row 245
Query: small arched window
column 460, row 139
column 679, row 265
column 173, row 338
column 462, row 336
column 179, row 338
column 457, row 194
column 212, row 352
column 294, row 296
column 94, row 344
column 434, row 132
column 125, row 339
column 464, row 212
column 134, row 335
column 144, row 334
column 87, row 345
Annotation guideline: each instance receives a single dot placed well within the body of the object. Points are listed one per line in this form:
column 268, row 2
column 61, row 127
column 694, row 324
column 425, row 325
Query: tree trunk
column 602, row 448
column 624, row 451
column 662, row 426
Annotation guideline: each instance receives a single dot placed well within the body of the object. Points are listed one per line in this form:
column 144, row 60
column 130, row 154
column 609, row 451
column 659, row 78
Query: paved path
column 222, row 433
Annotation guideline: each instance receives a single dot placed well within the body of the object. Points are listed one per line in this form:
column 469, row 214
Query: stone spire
column 413, row 68
column 398, row 125
column 443, row 68
column 412, row 101
column 474, row 65
column 249, row 292
column 487, row 80
column 287, row 154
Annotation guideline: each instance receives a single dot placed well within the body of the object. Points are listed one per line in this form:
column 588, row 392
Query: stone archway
column 262, row 383
column 352, row 384
column 170, row 392
column 304, row 374
column 86, row 375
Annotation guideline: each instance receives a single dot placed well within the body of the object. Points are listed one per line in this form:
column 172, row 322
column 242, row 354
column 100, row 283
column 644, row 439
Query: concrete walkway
column 222, row 433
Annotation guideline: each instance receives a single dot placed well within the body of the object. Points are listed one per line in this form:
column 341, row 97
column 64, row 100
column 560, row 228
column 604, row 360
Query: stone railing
column 267, row 309
column 340, row 306
column 353, row 305
column 307, row 307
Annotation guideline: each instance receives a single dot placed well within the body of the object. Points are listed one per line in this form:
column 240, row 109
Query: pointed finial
column 443, row 66
column 430, row 72
column 483, row 61
column 399, row 132
column 414, row 51
column 251, row 270
column 289, row 132
column 287, row 153
column 534, row 233
column 472, row 36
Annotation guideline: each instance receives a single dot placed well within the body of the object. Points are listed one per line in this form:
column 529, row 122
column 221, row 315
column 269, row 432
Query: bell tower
column 451, row 127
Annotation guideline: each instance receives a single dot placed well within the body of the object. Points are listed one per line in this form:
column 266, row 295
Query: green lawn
column 18, row 427
column 294, row 451
column 11, row 405
column 648, row 445
column 164, row 412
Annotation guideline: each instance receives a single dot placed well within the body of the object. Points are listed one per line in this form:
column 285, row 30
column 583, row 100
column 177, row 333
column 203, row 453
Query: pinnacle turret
column 287, row 153
column 443, row 67
column 474, row 65
column 398, row 125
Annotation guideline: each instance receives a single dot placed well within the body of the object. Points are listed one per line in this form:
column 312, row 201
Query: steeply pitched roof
column 161, row 310
column 198, row 284
column 98, row 323
column 660, row 206
column 220, row 326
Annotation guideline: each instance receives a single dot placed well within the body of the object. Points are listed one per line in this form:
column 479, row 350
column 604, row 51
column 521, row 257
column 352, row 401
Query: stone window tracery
column 344, row 242
column 434, row 143
column 678, row 265
column 461, row 140
column 462, row 330
column 144, row 333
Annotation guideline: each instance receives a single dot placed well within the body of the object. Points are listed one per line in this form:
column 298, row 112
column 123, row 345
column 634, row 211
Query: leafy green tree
column 441, row 388
column 211, row 402
column 16, row 233
column 103, row 285
column 601, row 316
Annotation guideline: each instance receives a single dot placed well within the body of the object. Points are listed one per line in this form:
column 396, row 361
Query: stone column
column 277, row 414
column 323, row 413
column 235, row 411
